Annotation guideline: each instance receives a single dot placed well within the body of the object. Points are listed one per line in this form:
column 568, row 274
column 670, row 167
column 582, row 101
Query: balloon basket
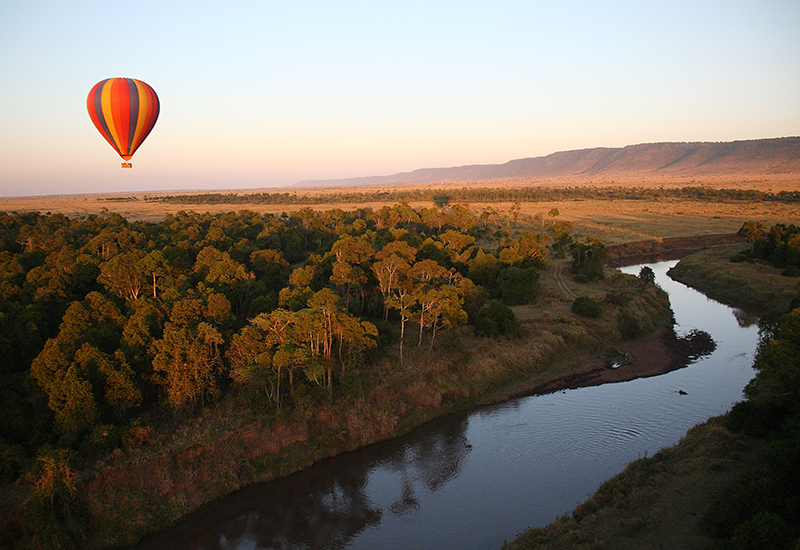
column 127, row 165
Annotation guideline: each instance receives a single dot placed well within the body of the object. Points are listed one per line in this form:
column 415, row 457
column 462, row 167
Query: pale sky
column 263, row 94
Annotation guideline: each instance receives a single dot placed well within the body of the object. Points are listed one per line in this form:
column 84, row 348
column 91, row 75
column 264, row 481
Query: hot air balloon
column 123, row 110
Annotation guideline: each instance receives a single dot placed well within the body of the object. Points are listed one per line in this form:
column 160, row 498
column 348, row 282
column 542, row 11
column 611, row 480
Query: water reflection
column 329, row 504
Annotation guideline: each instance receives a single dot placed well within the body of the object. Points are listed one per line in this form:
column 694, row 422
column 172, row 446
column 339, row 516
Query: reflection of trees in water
column 745, row 319
column 694, row 345
column 328, row 505
column 315, row 509
column 431, row 461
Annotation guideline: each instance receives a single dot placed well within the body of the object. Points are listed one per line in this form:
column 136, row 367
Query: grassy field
column 754, row 287
column 612, row 221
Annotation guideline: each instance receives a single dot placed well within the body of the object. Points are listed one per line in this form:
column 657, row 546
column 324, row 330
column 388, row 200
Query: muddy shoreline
column 660, row 353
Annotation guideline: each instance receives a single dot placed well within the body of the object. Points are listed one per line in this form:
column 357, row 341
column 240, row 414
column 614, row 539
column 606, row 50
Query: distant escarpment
column 762, row 156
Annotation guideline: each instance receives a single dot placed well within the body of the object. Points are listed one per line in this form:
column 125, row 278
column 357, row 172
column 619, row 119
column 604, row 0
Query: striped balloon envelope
column 123, row 110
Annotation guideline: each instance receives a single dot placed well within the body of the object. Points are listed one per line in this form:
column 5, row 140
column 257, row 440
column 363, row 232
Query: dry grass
column 613, row 222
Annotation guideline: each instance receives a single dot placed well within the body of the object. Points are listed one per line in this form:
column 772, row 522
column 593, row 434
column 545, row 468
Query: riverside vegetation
column 150, row 368
column 731, row 482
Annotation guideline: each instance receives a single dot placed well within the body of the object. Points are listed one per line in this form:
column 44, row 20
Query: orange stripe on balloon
column 121, row 111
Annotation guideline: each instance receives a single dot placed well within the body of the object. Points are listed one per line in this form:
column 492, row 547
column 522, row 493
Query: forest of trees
column 779, row 246
column 760, row 507
column 475, row 194
column 105, row 322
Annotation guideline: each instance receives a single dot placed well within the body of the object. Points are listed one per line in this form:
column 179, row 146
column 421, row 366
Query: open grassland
column 612, row 221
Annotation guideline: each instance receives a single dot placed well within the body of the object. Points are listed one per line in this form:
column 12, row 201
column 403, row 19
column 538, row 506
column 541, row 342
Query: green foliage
column 587, row 259
column 585, row 306
column 629, row 325
column 779, row 246
column 496, row 319
column 759, row 510
column 647, row 276
column 441, row 200
column 104, row 322
column 517, row 286
column 489, row 194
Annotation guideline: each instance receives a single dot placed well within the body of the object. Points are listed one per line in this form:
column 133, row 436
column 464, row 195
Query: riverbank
column 753, row 287
column 657, row 502
column 178, row 466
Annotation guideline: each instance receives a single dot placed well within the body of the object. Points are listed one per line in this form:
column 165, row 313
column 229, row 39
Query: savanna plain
column 81, row 490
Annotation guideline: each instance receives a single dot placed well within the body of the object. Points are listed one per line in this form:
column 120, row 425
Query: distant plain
column 613, row 221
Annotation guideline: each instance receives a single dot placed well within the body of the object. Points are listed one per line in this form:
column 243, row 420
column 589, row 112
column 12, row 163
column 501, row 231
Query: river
column 474, row 480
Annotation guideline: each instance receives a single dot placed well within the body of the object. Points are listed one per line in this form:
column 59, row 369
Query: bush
column 517, row 286
column 586, row 307
column 620, row 299
column 647, row 275
column 764, row 530
column 496, row 319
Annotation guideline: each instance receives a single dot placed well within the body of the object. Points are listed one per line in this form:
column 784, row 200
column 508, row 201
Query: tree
column 277, row 330
column 587, row 259
column 187, row 357
column 403, row 300
column 647, row 276
column 516, row 286
column 444, row 309
column 441, row 200
column 122, row 275
column 250, row 362
column 496, row 319
column 154, row 266
column 752, row 231
column 585, row 306
column 389, row 271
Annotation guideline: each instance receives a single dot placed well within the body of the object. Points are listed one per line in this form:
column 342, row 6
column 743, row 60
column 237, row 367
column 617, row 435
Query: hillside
column 762, row 156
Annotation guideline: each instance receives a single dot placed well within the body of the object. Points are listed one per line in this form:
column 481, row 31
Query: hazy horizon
column 257, row 95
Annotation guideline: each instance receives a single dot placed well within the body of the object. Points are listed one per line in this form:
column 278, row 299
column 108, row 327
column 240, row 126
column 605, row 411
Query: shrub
column 647, row 275
column 764, row 530
column 586, row 307
column 496, row 319
column 516, row 286
column 620, row 299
